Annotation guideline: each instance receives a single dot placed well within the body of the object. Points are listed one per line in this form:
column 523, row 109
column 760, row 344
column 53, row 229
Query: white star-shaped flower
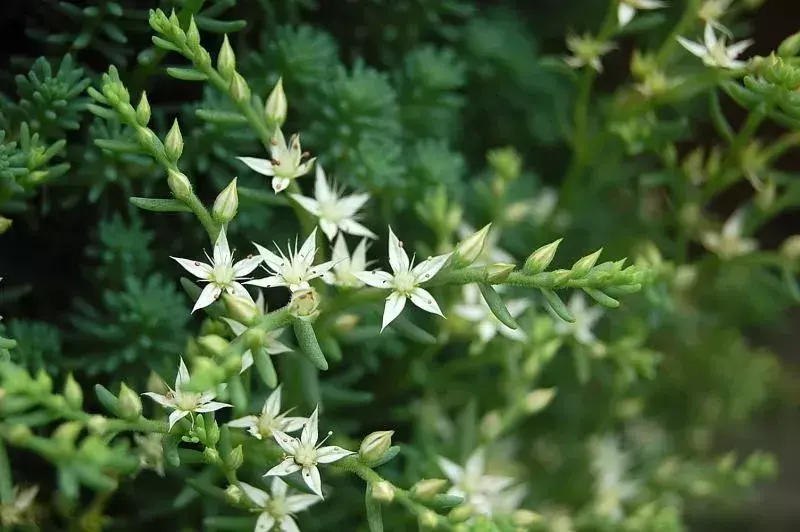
column 294, row 271
column 271, row 341
column 285, row 164
column 610, row 465
column 480, row 490
column 278, row 508
column 475, row 309
column 729, row 243
column 346, row 266
column 221, row 274
column 405, row 281
column 627, row 9
column 305, row 453
column 335, row 211
column 20, row 509
column 185, row 403
column 712, row 11
column 586, row 50
column 585, row 318
column 270, row 420
column 714, row 52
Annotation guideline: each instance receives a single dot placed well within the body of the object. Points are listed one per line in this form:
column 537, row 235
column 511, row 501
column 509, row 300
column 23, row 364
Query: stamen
column 330, row 433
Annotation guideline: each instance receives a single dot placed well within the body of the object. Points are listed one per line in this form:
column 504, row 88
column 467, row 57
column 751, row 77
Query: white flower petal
column 209, row 294
column 358, row 262
column 424, row 300
column 247, row 361
column 625, row 14
column 259, row 497
column 329, row 228
column 476, row 464
column 265, row 523
column 273, row 261
column 200, row 270
column 222, row 252
column 163, row 400
column 309, row 204
column 246, row 266
column 694, row 48
column 176, row 416
column 398, row 258
column 352, row 203
column 322, row 191
column 267, row 282
column 332, row 453
column 298, row 503
column 279, row 184
column 394, row 306
column 272, row 405
column 243, row 422
column 451, row 470
column 276, row 348
column 286, row 442
column 425, row 270
column 279, row 488
column 352, row 227
column 239, row 291
column 287, row 523
column 182, row 378
column 312, row 480
column 291, row 424
column 307, row 251
column 319, row 269
column 262, row 166
column 212, row 406
column 235, row 326
column 287, row 467
column 735, row 50
column 375, row 278
column 310, row 434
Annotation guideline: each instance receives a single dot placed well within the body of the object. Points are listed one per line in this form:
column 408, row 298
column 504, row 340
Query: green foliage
column 39, row 346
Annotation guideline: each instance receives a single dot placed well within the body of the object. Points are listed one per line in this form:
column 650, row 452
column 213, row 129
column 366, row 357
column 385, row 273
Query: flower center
column 277, row 509
column 222, row 275
column 264, row 425
column 187, row 401
column 404, row 282
column 330, row 210
column 306, row 456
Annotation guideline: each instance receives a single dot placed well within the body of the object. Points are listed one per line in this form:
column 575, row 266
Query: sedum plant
column 417, row 318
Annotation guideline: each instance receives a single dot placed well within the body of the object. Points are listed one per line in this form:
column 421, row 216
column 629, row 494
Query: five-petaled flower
column 271, row 344
column 729, row 242
column 294, row 271
column 185, row 403
column 405, row 281
column 277, row 509
column 714, row 52
column 586, row 50
column 335, row 211
column 270, row 420
column 475, row 310
column 346, row 266
column 285, row 164
column 627, row 9
column 221, row 274
column 305, row 453
column 585, row 318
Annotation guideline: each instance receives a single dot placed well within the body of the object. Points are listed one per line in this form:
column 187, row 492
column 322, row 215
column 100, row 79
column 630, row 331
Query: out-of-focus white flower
column 19, row 510
column 335, row 211
column 405, row 281
column 712, row 11
column 221, row 274
column 475, row 309
column 305, row 453
column 729, row 242
column 488, row 494
column 346, row 266
column 285, row 164
column 585, row 318
column 610, row 466
column 294, row 271
column 714, row 52
column 185, row 403
column 586, row 50
column 628, row 8
column 278, row 508
column 270, row 420
column 272, row 344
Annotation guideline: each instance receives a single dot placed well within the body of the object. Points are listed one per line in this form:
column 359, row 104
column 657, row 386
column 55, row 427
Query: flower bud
column 226, row 60
column 235, row 458
column 226, row 204
column 469, row 249
column 525, row 518
column 240, row 309
column 583, row 265
column 211, row 456
column 44, row 382
column 383, row 491
column 173, row 145
column 375, row 445
column 428, row 488
column 67, row 433
column 19, row 434
column 277, row 106
column 540, row 259
column 73, row 393
column 459, row 514
column 240, row 91
column 233, row 494
column 505, row 162
column 143, row 110
column 790, row 46
column 428, row 519
column 214, row 344
column 491, row 425
column 179, row 185
column 538, row 400
column 304, row 303
column 499, row 272
column 193, row 35
column 129, row 403
column 791, row 248
column 5, row 223
column 97, row 425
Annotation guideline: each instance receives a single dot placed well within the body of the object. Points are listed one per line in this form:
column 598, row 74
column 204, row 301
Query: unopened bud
column 469, row 249
column 193, row 35
column 304, row 303
column 240, row 91
column 226, row 60
column 583, row 265
column 179, row 185
column 375, row 445
column 233, row 494
column 97, row 425
column 240, row 309
column 459, row 514
column 428, row 519
column 67, row 433
column 173, row 145
column 214, row 344
column 790, row 46
column 43, row 382
column 129, row 403
column 540, row 259
column 791, row 248
column 73, row 393
column 499, row 272
column 277, row 106
column 19, row 434
column 538, row 400
column 428, row 488
column 143, row 110
column 226, row 204
column 491, row 425
column 525, row 518
column 235, row 458
column 506, row 163
column 5, row 223
column 211, row 456
column 383, row 491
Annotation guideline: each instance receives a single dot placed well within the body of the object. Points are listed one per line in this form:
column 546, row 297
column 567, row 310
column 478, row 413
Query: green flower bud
column 277, row 106
column 383, row 491
column 304, row 303
column 525, row 518
column 43, row 382
column 173, row 145
column 469, row 249
column 375, row 445
column 491, row 425
column 505, row 162
column 214, row 344
column 226, row 60
column 499, row 272
column 459, row 514
column 5, row 223
column 206, row 374
column 226, row 204
column 428, row 519
column 73, row 393
column 179, row 185
column 790, row 46
column 211, row 456
column 233, row 494
column 97, row 424
column 212, row 433
column 147, row 138
column 583, row 265
column 19, row 434
column 129, row 403
column 537, row 400
column 240, row 309
column 428, row 488
column 235, row 458
column 67, row 433
column 240, row 91
column 791, row 248
column 193, row 36
column 143, row 110
column 540, row 259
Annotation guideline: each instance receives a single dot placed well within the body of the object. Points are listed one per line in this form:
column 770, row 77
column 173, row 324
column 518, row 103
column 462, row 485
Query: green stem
column 6, row 482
